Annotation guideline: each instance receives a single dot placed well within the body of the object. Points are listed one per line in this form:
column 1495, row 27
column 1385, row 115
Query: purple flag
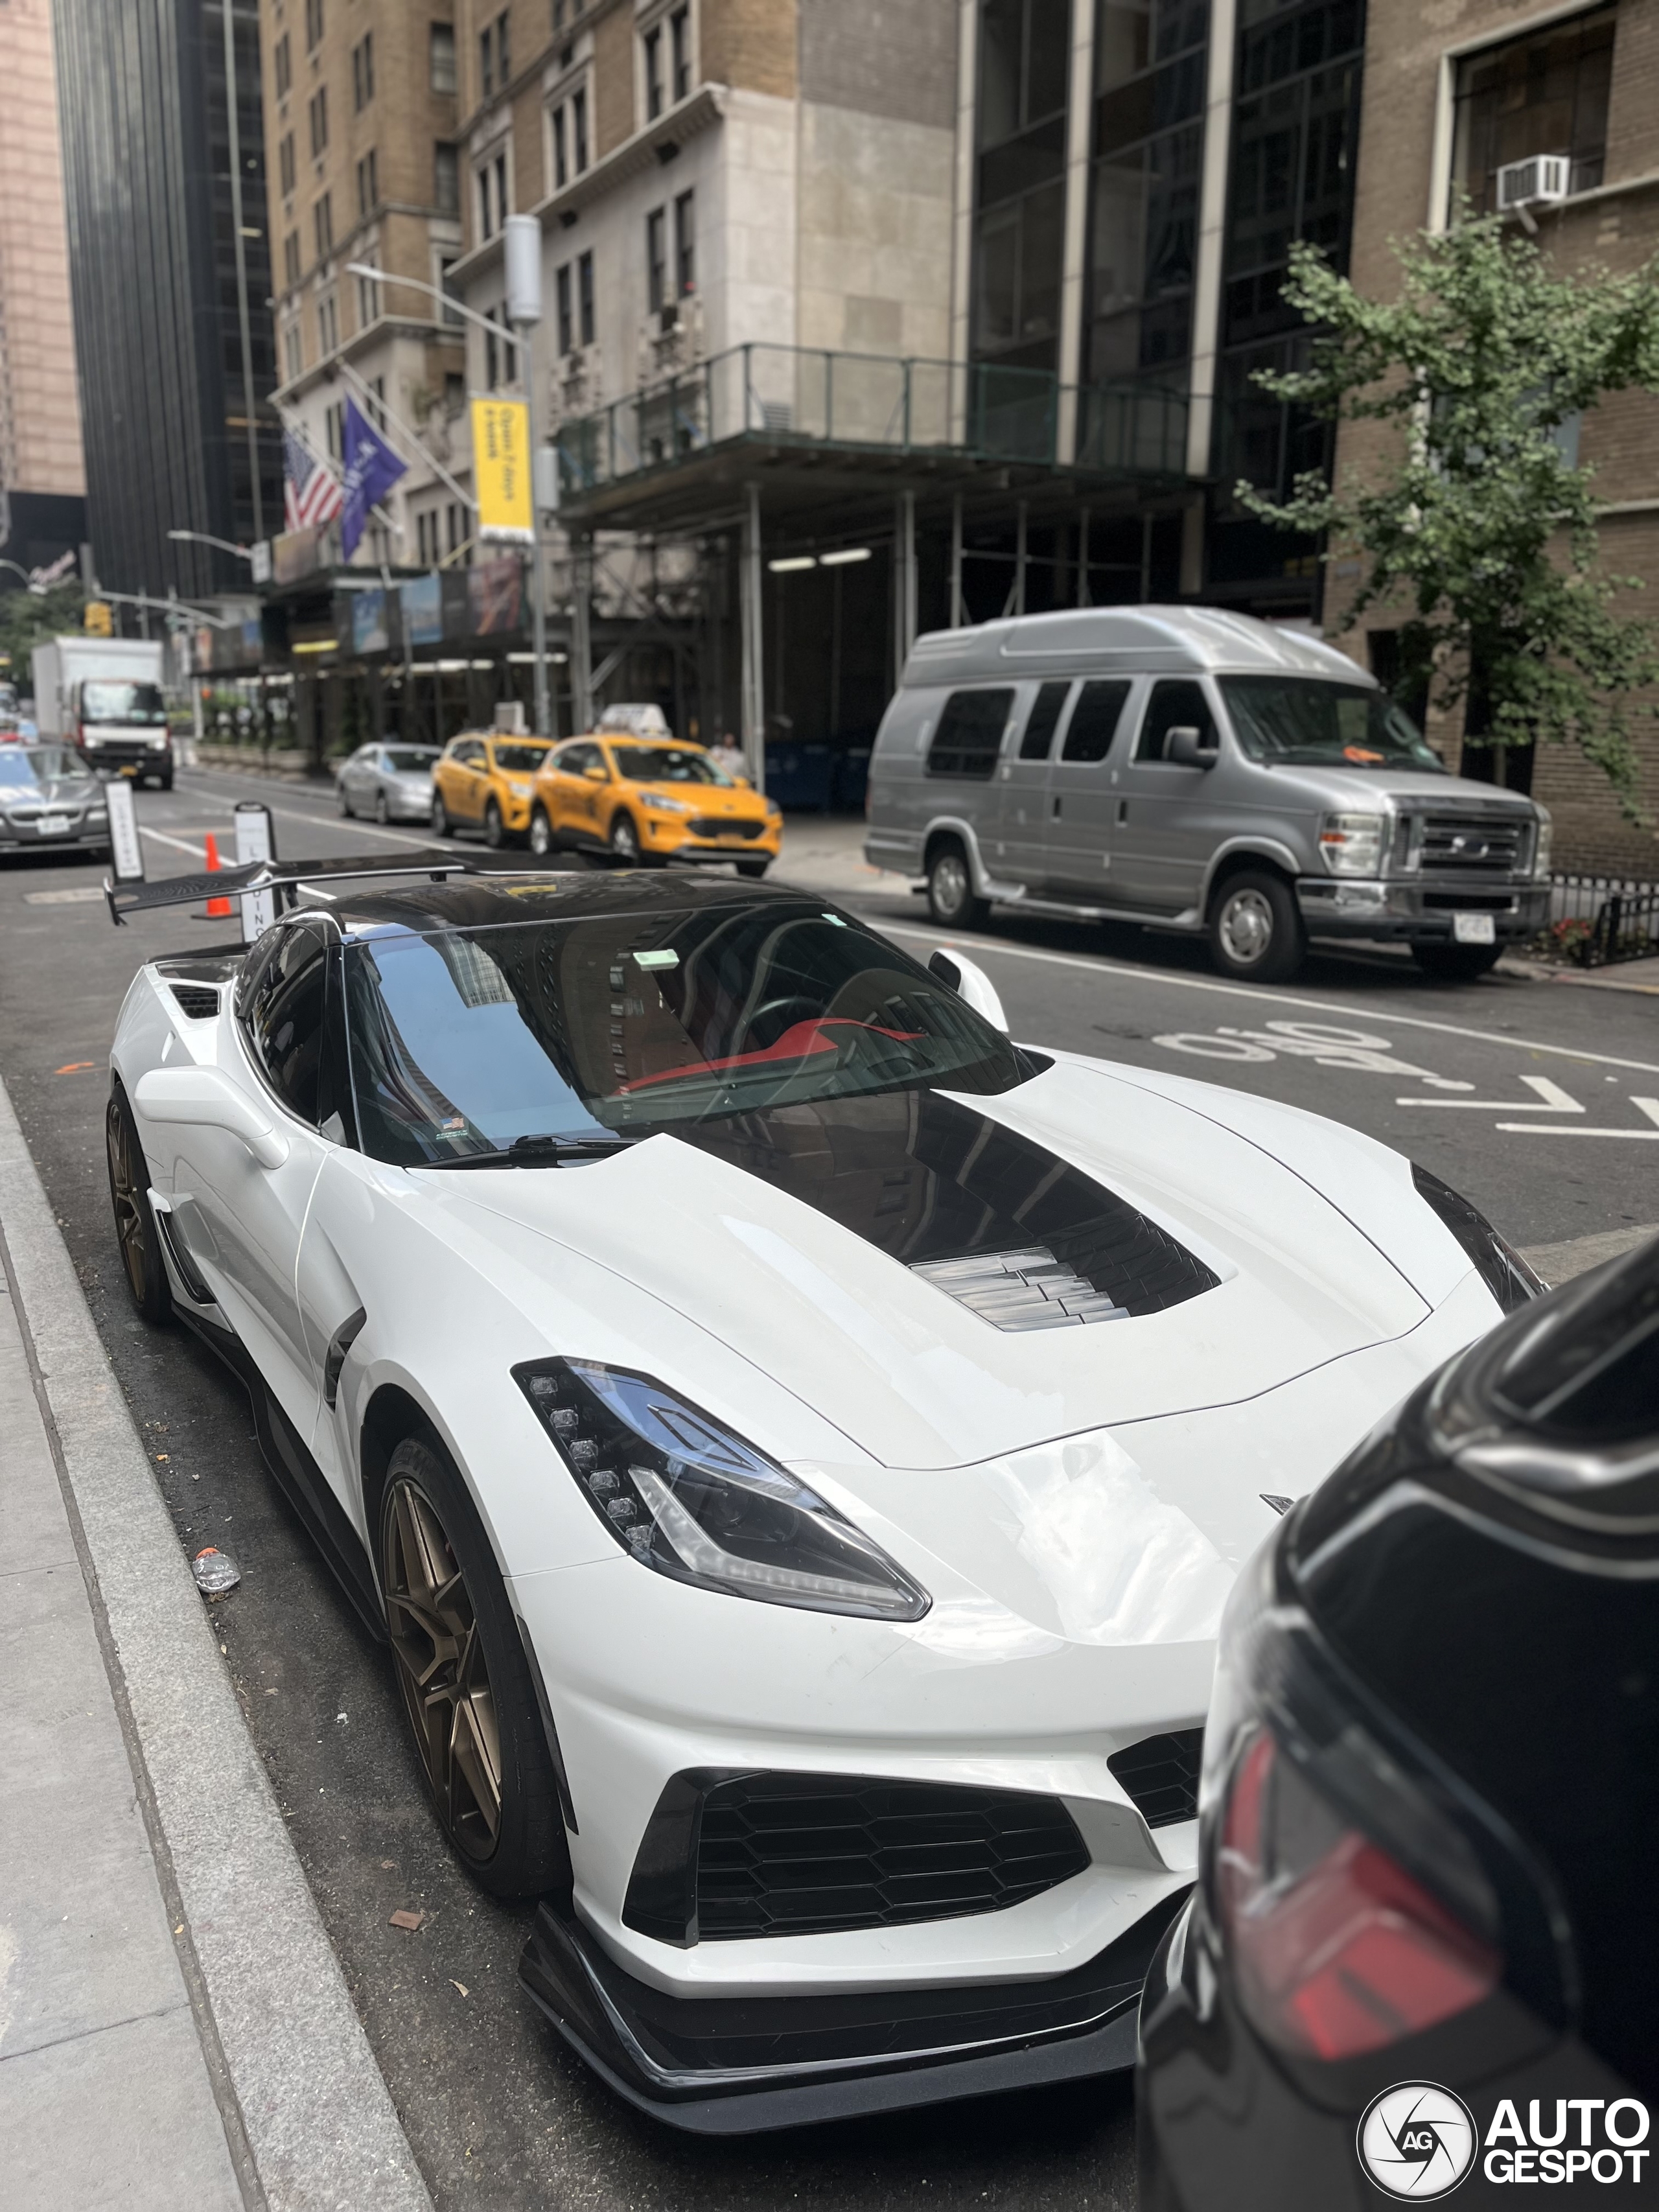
column 371, row 469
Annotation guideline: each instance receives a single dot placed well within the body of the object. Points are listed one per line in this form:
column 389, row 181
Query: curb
column 303, row 2100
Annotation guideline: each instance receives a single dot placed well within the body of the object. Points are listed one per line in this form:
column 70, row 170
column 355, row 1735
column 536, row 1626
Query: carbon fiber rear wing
column 282, row 879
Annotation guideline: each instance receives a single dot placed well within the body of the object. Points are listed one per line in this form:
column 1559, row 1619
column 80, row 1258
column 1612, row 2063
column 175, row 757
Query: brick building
column 1451, row 94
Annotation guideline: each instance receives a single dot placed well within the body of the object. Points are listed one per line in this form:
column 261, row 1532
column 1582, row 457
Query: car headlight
column 1353, row 843
column 1497, row 1263
column 156, row 744
column 685, row 1496
column 1543, row 849
column 660, row 804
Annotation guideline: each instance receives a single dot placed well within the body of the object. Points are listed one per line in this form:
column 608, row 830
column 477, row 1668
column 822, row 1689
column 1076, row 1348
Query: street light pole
column 203, row 537
column 523, row 254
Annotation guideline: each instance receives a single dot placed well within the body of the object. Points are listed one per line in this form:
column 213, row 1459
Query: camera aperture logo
column 1417, row 2140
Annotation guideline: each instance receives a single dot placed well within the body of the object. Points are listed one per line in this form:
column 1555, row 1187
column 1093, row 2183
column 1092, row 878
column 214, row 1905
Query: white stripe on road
column 1648, row 1106
column 1552, row 1100
column 976, row 947
column 196, row 852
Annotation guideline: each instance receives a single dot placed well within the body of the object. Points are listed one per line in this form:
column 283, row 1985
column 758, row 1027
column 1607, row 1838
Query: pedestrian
column 727, row 757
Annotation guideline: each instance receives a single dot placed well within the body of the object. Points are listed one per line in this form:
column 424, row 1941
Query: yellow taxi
column 646, row 799
column 485, row 782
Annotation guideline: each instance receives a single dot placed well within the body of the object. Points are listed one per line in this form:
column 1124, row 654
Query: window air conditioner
column 1521, row 184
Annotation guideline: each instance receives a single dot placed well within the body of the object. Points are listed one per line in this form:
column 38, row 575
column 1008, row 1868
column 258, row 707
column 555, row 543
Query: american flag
column 311, row 493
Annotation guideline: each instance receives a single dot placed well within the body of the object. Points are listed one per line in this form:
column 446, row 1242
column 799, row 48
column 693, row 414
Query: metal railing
column 798, row 395
column 1596, row 920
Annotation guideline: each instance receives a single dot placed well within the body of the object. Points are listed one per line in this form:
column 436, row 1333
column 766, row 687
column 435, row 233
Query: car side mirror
column 971, row 985
column 597, row 775
column 1184, row 746
column 206, row 1098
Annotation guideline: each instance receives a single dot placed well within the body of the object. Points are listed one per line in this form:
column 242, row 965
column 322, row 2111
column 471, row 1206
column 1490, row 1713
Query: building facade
column 164, row 175
column 360, row 118
column 1452, row 96
column 42, row 475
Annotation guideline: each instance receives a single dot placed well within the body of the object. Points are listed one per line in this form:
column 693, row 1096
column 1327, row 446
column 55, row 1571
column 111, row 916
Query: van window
column 1174, row 705
column 1094, row 720
column 1043, row 720
column 969, row 734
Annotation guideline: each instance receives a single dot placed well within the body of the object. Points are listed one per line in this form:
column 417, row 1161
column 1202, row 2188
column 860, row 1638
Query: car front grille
column 1473, row 843
column 1160, row 1774
column 804, row 1854
column 709, row 826
column 198, row 1000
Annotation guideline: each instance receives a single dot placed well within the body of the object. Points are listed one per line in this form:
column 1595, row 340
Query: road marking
column 976, row 947
column 1357, row 1050
column 196, row 852
column 1648, row 1106
column 1552, row 1099
column 83, row 895
column 347, row 823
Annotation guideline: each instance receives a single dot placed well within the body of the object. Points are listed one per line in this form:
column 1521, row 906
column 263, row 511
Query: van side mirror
column 1184, row 746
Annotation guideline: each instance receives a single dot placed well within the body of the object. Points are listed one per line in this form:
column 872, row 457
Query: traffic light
column 98, row 621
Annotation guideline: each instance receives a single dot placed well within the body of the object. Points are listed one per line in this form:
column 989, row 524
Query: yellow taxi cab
column 647, row 799
column 485, row 782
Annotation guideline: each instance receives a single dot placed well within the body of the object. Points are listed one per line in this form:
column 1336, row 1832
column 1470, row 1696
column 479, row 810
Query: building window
column 563, row 297
column 322, row 217
column 362, row 71
column 369, row 301
column 561, row 151
column 334, row 420
column 283, row 66
column 1547, row 93
column 585, row 298
column 425, row 557
column 579, row 129
column 291, row 259
column 685, row 244
column 454, row 393
column 319, row 113
column 656, row 259
column 654, row 101
column 450, row 289
column 293, row 351
column 494, row 55
column 503, row 49
column 492, row 196
column 455, row 518
column 328, row 323
column 285, row 171
column 377, row 406
column 500, row 355
column 445, row 177
column 313, row 24
column 1024, row 60
column 487, row 61
column 443, row 57
column 368, row 183
column 679, row 51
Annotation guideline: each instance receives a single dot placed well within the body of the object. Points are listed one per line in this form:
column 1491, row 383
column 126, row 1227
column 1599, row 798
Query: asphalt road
column 1515, row 1080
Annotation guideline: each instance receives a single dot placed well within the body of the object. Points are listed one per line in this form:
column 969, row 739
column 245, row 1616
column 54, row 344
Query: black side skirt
column 740, row 2065
column 300, row 1478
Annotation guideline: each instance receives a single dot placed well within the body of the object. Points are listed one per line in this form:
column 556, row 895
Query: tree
column 26, row 617
column 1483, row 523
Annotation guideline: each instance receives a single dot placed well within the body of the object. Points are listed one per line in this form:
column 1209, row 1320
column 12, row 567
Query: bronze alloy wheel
column 125, row 1191
column 440, row 1667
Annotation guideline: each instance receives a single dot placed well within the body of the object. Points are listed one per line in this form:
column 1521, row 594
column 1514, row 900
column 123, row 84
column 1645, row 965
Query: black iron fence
column 1597, row 920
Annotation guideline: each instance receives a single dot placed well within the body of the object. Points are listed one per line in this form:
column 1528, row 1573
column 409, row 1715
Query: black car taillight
column 1336, row 1950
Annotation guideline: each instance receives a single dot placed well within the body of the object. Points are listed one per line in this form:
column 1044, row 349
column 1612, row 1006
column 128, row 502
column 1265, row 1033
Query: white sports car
column 795, row 1441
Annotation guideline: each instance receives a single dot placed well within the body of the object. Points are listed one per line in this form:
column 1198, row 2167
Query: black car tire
column 1255, row 927
column 442, row 824
column 1445, row 962
column 541, row 833
column 426, row 1509
column 753, row 869
column 495, row 827
column 382, row 811
column 950, row 897
column 345, row 803
column 625, row 840
column 136, row 1234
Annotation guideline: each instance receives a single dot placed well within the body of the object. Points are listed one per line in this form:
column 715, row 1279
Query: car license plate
column 1473, row 929
column 54, row 826
column 130, row 770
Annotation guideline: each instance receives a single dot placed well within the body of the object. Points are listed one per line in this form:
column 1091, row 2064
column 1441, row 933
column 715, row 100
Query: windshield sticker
column 656, row 959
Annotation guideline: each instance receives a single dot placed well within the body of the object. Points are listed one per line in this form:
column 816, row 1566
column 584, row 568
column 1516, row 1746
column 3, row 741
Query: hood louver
column 1022, row 1289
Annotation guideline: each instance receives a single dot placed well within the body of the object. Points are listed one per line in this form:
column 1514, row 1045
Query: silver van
column 1201, row 771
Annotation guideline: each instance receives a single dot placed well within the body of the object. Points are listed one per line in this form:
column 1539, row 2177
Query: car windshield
column 103, row 699
column 520, row 760
column 1302, row 721
column 667, row 764
column 409, row 760
column 464, row 1042
column 22, row 769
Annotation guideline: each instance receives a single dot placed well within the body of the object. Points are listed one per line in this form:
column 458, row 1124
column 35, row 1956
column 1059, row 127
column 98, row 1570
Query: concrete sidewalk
column 175, row 2028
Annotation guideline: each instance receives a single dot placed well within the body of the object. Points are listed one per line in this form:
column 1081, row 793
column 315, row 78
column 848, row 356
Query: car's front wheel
column 951, row 899
column 1255, row 929
column 625, row 840
column 135, row 1218
column 541, row 834
column 442, row 824
column 495, row 827
column 464, row 1681
column 382, row 811
column 345, row 803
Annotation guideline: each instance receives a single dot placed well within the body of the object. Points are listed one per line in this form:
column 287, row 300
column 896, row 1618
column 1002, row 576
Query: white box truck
column 104, row 695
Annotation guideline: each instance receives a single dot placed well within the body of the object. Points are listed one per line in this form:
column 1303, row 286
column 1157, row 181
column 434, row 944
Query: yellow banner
column 500, row 469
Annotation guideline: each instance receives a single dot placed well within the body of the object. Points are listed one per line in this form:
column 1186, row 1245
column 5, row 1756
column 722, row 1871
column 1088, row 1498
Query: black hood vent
column 931, row 1182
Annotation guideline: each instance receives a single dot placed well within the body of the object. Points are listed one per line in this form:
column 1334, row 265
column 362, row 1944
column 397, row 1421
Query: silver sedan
column 391, row 783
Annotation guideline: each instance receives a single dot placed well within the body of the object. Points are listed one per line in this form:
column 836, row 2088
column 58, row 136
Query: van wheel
column 1456, row 964
column 951, row 899
column 1255, row 931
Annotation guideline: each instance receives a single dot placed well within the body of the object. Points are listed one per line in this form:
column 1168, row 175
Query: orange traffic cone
column 218, row 908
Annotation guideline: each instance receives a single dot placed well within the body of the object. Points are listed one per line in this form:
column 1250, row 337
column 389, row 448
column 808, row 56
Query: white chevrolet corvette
column 795, row 1441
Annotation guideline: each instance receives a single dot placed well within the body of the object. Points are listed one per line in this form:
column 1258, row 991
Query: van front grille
column 1473, row 845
